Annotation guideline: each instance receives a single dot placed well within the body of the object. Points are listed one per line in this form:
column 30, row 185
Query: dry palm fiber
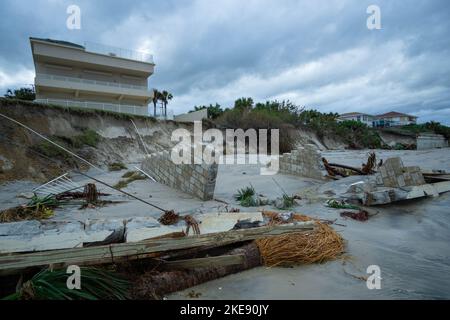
column 319, row 245
column 169, row 218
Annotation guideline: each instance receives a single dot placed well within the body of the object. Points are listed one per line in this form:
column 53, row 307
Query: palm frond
column 52, row 285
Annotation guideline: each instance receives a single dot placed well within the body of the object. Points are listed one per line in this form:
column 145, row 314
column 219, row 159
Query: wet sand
column 409, row 241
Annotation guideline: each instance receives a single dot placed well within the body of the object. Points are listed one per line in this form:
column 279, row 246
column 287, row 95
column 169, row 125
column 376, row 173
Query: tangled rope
column 319, row 245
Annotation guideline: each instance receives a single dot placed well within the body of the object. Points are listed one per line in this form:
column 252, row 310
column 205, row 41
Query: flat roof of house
column 61, row 42
column 103, row 50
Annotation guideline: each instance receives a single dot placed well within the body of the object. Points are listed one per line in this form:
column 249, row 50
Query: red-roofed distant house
column 393, row 118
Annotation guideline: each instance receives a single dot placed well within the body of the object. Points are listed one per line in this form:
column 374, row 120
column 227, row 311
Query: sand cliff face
column 21, row 155
column 24, row 155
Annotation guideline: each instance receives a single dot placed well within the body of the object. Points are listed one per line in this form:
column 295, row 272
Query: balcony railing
column 118, row 52
column 89, row 81
column 120, row 108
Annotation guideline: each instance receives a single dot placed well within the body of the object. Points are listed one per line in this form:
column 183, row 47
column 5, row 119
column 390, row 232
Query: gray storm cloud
column 318, row 54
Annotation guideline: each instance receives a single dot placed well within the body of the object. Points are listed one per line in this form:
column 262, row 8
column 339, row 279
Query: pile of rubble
column 395, row 182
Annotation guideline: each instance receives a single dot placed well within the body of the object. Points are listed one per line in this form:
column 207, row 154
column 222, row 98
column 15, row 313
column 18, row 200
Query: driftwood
column 154, row 284
column 343, row 166
column 369, row 166
column 144, row 249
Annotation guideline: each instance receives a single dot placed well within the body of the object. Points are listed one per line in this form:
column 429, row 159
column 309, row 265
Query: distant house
column 392, row 119
column 358, row 116
column 92, row 76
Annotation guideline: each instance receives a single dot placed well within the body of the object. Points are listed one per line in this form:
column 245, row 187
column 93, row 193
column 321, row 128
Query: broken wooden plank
column 207, row 262
column 112, row 253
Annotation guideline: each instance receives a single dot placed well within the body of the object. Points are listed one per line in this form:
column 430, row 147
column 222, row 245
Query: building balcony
column 77, row 85
column 120, row 108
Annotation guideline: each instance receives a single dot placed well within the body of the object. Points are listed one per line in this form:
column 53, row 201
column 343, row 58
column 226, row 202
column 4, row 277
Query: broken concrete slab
column 442, row 187
column 388, row 195
column 219, row 222
column 142, row 228
column 27, row 236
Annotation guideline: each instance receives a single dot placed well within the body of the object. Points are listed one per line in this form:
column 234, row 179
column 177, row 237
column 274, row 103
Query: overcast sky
column 318, row 54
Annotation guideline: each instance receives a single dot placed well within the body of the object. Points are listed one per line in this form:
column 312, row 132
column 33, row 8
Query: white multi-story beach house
column 92, row 76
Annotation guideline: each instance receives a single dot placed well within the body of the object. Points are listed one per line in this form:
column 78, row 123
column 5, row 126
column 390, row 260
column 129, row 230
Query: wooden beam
column 142, row 249
column 207, row 262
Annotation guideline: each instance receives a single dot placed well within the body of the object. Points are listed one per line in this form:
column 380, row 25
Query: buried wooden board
column 130, row 251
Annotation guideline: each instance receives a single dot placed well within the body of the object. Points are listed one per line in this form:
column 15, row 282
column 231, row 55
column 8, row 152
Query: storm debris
column 360, row 215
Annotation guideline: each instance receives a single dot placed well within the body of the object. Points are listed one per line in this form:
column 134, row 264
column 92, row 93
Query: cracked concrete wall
column 195, row 179
column 305, row 162
column 395, row 175
column 431, row 141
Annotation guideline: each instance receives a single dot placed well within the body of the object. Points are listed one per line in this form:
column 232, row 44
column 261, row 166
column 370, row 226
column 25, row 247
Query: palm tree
column 156, row 97
column 165, row 97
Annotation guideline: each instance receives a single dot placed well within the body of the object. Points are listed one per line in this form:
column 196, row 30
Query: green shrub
column 271, row 115
column 246, row 197
column 116, row 166
column 50, row 150
column 121, row 184
column 432, row 126
column 129, row 176
column 88, row 137
column 357, row 134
